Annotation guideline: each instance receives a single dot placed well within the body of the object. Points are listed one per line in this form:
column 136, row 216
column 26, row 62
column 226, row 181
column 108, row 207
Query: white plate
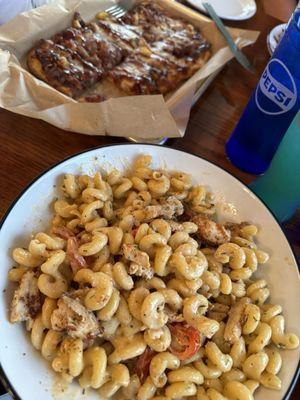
column 28, row 375
column 229, row 9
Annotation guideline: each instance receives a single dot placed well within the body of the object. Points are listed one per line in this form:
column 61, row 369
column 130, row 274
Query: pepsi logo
column 276, row 92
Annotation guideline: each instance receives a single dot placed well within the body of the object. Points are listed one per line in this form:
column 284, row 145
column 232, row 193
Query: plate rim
column 241, row 17
column 3, row 378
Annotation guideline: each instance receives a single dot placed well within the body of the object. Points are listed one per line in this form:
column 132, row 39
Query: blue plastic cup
column 271, row 108
column 279, row 188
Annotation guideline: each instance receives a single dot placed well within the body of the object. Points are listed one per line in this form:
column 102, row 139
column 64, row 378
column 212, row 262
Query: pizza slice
column 74, row 59
column 156, row 23
column 176, row 50
column 153, row 70
column 126, row 36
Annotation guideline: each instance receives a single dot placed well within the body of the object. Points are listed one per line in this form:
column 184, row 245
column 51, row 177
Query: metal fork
column 116, row 11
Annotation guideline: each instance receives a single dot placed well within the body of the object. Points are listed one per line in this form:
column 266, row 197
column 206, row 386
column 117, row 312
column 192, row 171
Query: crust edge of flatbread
column 35, row 67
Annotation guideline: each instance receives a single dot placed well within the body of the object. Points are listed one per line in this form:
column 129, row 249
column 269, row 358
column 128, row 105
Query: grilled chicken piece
column 27, row 300
column 139, row 270
column 172, row 207
column 210, row 232
column 132, row 253
column 140, row 264
column 173, row 316
column 168, row 209
column 73, row 317
column 176, row 226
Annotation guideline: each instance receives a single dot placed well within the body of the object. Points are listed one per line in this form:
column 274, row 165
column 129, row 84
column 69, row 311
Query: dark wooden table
column 29, row 146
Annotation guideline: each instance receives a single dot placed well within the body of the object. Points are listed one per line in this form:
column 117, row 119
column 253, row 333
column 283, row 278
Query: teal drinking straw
column 279, row 187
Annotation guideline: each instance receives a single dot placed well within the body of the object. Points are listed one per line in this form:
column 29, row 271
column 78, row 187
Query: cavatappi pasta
column 136, row 291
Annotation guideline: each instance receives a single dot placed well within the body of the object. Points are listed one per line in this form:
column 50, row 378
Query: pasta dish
column 138, row 292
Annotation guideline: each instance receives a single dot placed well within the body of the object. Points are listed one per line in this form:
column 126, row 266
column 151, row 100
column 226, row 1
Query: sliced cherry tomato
column 143, row 364
column 185, row 340
column 89, row 260
column 63, row 232
column 134, row 232
column 77, row 261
